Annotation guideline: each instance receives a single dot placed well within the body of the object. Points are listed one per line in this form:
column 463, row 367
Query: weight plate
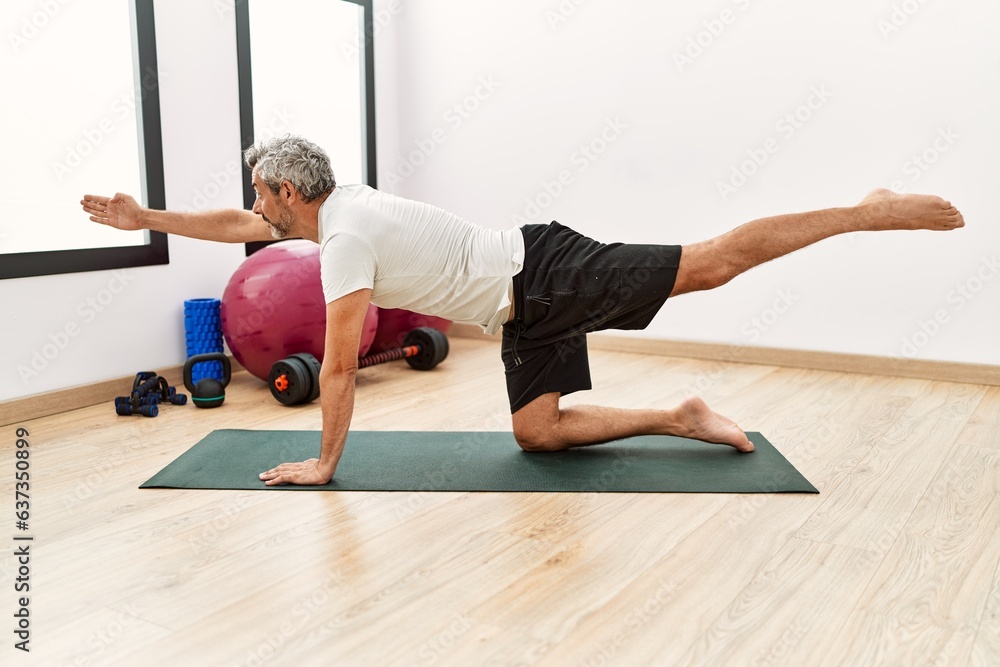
column 312, row 370
column 298, row 387
column 433, row 348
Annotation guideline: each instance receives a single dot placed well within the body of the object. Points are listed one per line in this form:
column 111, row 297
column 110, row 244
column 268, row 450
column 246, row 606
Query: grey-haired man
column 545, row 286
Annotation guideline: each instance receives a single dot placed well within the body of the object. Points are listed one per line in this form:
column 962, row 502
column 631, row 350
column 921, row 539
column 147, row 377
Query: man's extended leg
column 542, row 425
column 715, row 262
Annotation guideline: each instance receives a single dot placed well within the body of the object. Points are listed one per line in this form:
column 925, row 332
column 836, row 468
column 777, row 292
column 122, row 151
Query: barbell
column 295, row 379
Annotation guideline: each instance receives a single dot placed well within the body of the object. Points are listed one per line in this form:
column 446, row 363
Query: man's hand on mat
column 307, row 472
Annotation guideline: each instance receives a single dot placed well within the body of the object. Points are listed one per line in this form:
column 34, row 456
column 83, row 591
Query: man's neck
column 311, row 215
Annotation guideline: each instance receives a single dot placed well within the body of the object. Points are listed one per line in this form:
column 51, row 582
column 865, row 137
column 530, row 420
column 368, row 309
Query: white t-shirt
column 416, row 257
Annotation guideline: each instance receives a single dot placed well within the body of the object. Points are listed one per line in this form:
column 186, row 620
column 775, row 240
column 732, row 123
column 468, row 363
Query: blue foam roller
column 197, row 305
column 203, row 334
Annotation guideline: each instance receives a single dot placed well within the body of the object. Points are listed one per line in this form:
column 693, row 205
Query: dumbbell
column 144, row 383
column 295, row 379
column 126, row 405
column 148, row 391
column 169, row 394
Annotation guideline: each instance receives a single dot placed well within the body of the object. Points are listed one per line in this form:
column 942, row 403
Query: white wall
column 545, row 88
column 886, row 78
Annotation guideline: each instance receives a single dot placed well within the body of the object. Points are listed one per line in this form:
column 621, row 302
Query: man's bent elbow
column 334, row 373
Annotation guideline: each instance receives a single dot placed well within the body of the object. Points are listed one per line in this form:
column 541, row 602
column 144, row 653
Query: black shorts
column 571, row 285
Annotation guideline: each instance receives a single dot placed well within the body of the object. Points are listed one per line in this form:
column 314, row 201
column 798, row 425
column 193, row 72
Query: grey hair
column 290, row 158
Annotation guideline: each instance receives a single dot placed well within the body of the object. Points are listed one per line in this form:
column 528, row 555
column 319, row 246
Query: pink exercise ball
column 274, row 307
column 395, row 323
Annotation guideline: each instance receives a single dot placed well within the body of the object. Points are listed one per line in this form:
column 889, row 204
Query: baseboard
column 944, row 371
column 19, row 410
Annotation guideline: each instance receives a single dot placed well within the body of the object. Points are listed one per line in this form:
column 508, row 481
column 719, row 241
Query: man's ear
column 287, row 192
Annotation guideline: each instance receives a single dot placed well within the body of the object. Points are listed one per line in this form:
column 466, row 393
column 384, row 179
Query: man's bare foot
column 698, row 421
column 889, row 210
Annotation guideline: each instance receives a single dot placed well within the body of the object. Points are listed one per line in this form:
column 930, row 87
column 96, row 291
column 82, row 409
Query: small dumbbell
column 126, row 406
column 295, row 379
column 169, row 394
column 140, row 402
column 148, row 391
column 143, row 387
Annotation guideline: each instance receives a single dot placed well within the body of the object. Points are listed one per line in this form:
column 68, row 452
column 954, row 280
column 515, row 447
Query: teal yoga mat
column 485, row 461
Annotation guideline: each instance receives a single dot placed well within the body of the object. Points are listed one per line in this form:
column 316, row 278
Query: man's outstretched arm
column 345, row 320
column 227, row 225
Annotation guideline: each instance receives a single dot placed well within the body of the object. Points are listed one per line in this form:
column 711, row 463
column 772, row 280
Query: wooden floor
column 894, row 563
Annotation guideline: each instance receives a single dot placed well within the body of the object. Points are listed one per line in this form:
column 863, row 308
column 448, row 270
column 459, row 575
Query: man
column 545, row 285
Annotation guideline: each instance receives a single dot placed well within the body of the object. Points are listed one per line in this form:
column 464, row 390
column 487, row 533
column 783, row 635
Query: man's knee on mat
column 538, row 440
column 536, row 425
